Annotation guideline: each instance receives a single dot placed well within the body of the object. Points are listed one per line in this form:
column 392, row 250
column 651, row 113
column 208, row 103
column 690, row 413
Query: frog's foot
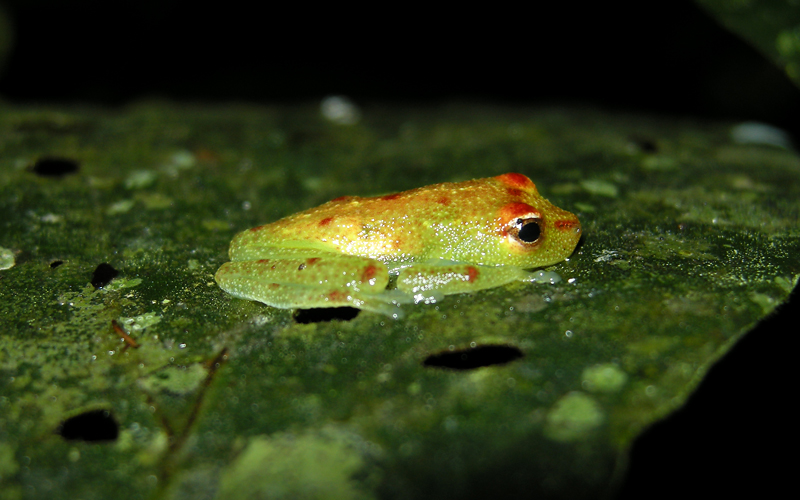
column 387, row 302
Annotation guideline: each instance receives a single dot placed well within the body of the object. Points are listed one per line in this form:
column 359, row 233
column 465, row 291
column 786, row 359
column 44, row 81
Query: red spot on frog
column 390, row 197
column 337, row 296
column 341, row 199
column 369, row 272
column 257, row 228
column 515, row 193
column 274, row 286
column 517, row 181
column 443, row 200
column 472, row 274
column 312, row 261
column 326, row 221
column 263, row 261
column 515, row 210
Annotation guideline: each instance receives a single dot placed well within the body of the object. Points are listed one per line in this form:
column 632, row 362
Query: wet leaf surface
column 690, row 239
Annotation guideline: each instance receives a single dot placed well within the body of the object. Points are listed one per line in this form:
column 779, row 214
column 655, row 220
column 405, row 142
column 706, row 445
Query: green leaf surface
column 691, row 237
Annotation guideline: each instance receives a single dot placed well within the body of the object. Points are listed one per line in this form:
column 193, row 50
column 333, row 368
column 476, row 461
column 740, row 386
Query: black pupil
column 529, row 232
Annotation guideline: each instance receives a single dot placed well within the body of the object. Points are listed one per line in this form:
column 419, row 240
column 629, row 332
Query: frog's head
column 533, row 231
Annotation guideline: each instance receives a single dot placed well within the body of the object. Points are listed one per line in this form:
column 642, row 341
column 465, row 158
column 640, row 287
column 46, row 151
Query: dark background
column 660, row 58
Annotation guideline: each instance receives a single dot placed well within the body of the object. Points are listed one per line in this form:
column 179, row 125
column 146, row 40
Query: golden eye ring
column 527, row 231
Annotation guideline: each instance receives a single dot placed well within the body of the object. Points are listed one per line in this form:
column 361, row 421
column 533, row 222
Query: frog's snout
column 570, row 229
column 569, row 226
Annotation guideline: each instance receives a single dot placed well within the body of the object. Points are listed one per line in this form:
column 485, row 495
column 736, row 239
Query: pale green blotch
column 584, row 207
column 182, row 159
column 666, row 246
column 766, row 302
column 6, row 259
column 8, row 464
column 651, row 347
column 285, row 466
column 156, row 201
column 786, row 284
column 215, row 225
column 788, row 43
column 135, row 324
column 659, row 163
column 600, row 188
column 120, row 207
column 175, row 379
column 139, row 179
column 121, row 284
column 604, row 377
column 573, row 417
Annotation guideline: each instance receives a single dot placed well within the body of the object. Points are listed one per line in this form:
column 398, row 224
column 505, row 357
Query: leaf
column 532, row 389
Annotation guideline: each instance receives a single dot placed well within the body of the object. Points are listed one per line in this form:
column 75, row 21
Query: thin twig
column 127, row 338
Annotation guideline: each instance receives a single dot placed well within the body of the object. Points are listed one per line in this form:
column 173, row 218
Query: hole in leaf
column 103, row 274
column 54, row 167
column 474, row 357
column 56, row 263
column 91, row 426
column 644, row 145
column 324, row 314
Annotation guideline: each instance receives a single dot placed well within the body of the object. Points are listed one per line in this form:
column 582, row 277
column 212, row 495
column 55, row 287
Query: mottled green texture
column 685, row 249
column 773, row 26
column 291, row 467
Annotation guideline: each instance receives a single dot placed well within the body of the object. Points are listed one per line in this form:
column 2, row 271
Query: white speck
column 182, row 159
column 52, row 218
column 340, row 110
column 606, row 256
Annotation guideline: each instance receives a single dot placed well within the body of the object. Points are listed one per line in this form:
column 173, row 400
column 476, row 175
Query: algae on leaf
column 535, row 388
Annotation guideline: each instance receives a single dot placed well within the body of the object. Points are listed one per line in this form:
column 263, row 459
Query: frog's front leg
column 445, row 278
column 321, row 280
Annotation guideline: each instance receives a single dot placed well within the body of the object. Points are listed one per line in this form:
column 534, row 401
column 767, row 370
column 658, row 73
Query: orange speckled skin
column 458, row 221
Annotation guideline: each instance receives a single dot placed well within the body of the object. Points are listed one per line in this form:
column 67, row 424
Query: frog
column 379, row 253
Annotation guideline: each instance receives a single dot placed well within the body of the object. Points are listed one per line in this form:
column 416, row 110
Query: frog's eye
column 527, row 231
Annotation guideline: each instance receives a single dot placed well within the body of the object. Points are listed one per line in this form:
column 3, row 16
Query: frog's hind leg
column 310, row 282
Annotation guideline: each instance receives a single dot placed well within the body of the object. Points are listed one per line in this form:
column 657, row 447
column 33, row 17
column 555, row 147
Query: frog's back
column 454, row 220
